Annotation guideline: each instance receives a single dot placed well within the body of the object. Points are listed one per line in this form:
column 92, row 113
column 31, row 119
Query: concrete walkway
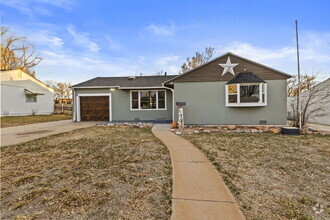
column 319, row 127
column 198, row 190
column 24, row 133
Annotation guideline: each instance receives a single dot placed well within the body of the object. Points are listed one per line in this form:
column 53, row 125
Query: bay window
column 246, row 94
column 148, row 100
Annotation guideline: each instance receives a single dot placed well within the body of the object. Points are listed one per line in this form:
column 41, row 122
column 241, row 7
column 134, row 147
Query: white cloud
column 141, row 58
column 67, row 66
column 312, row 47
column 46, row 38
column 257, row 53
column 112, row 44
column 316, row 46
column 82, row 39
column 161, row 30
column 314, row 54
column 165, row 60
column 173, row 69
column 168, row 63
column 30, row 7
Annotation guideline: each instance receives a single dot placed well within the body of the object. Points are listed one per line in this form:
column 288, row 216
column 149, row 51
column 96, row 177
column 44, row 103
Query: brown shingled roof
column 137, row 81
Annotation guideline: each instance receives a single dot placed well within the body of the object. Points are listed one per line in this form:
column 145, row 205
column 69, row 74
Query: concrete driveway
column 24, row 133
column 319, row 127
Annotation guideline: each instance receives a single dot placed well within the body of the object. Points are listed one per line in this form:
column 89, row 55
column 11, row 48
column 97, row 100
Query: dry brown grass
column 272, row 176
column 93, row 173
column 11, row 121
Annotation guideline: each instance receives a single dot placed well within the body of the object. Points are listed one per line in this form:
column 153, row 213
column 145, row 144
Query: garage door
column 94, row 108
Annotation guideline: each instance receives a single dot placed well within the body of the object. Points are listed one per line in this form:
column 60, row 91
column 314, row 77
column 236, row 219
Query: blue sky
column 83, row 39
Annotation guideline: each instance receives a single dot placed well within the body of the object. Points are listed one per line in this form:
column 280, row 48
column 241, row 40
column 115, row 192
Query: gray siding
column 205, row 104
column 121, row 106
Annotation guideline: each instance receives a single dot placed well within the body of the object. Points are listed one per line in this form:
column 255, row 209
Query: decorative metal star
column 228, row 67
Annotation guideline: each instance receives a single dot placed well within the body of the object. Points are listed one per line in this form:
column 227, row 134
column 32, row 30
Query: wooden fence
column 62, row 108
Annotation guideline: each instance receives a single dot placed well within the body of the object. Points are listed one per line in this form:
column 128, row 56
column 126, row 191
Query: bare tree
column 306, row 81
column 50, row 83
column 160, row 73
column 314, row 98
column 199, row 59
column 62, row 89
column 17, row 52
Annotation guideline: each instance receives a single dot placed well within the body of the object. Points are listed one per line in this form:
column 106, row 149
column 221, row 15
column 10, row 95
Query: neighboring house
column 226, row 90
column 320, row 101
column 22, row 94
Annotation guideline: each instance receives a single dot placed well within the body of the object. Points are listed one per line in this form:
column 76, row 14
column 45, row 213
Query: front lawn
column 98, row 172
column 273, row 176
column 10, row 121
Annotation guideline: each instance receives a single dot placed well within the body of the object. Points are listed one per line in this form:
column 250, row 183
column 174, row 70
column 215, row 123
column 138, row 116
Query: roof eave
column 143, row 87
column 118, row 87
column 93, row 87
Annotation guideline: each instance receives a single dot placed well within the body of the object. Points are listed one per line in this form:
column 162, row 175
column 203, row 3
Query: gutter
column 172, row 90
column 118, row 87
column 92, row 87
column 74, row 99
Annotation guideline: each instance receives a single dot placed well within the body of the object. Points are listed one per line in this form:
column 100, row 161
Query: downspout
column 172, row 90
column 74, row 118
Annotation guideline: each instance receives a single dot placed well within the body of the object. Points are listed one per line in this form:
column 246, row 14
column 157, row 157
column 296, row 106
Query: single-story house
column 226, row 90
column 22, row 94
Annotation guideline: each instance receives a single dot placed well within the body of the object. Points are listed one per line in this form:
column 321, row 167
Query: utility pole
column 298, row 98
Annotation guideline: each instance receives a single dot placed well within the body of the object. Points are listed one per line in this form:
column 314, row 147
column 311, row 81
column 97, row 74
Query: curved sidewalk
column 198, row 189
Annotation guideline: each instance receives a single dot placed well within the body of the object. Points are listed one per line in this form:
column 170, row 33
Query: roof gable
column 21, row 76
column 211, row 71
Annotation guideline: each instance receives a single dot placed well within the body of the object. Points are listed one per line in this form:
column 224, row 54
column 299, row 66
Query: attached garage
column 95, row 108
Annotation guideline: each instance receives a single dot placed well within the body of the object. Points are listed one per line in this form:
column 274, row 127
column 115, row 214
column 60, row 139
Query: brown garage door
column 94, row 108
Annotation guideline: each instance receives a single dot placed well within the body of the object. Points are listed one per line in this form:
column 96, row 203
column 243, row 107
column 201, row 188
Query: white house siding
column 325, row 102
column 13, row 98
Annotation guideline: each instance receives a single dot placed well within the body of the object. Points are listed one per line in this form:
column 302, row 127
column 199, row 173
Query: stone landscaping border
column 125, row 124
column 208, row 129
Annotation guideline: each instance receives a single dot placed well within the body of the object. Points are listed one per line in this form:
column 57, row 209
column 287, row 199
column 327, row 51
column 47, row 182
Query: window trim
column 27, row 96
column 139, row 100
column 251, row 104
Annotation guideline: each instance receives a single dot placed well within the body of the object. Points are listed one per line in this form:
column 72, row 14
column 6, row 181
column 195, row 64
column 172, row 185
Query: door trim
column 93, row 94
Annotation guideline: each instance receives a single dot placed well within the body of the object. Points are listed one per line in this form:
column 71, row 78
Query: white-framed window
column 31, row 98
column 148, row 100
column 246, row 94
